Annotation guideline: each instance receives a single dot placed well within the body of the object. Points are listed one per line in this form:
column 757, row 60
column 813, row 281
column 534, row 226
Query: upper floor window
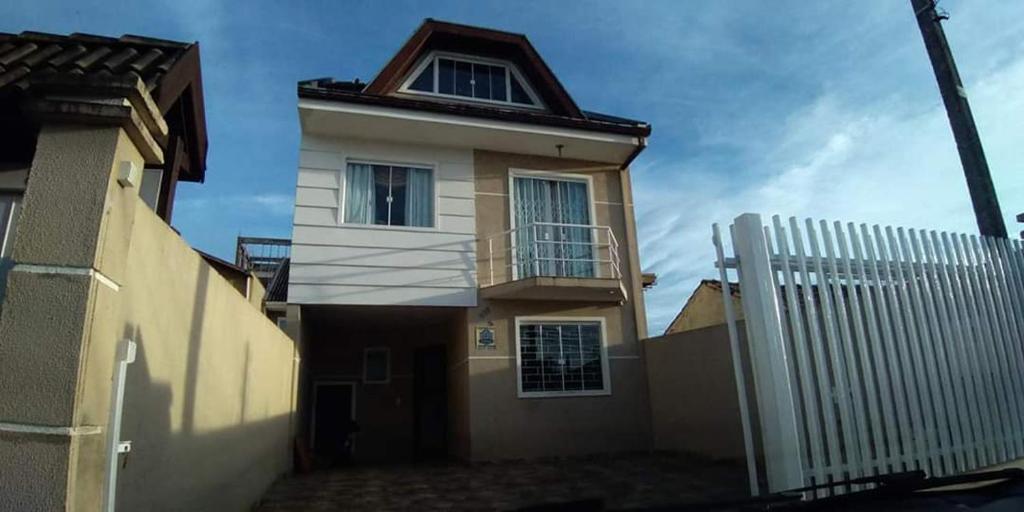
column 389, row 195
column 475, row 79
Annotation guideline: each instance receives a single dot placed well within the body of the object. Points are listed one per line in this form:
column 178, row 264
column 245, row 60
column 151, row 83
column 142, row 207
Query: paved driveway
column 622, row 481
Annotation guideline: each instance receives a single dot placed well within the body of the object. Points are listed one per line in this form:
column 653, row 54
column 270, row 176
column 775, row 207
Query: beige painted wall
column 209, row 399
column 502, row 425
column 694, row 404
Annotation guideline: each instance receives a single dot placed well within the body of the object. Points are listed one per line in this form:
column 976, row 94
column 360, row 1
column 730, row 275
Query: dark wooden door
column 430, row 403
column 332, row 422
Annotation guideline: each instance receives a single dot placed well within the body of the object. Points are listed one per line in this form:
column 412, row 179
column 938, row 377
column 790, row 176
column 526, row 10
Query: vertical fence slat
column 997, row 344
column 905, row 336
column 979, row 397
column 957, row 356
column 855, row 290
column 985, row 350
column 737, row 363
column 1006, row 295
column 797, row 330
column 848, row 427
column 821, row 367
column 871, row 285
column 766, row 339
column 846, row 343
column 935, row 352
column 1005, row 338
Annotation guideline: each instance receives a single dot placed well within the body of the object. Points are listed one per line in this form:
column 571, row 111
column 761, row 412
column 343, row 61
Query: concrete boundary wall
column 209, row 399
column 694, row 403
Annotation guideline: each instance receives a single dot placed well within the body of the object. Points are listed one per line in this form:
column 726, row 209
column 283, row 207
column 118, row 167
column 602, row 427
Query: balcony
column 551, row 261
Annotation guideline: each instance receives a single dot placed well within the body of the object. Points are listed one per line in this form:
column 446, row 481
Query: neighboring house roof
column 705, row 284
column 169, row 70
column 562, row 110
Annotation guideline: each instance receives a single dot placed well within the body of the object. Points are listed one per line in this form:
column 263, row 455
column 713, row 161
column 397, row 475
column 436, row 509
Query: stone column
column 58, row 341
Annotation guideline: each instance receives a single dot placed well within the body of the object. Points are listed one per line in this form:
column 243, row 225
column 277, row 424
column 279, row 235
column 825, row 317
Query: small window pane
column 482, row 81
column 399, row 188
column 424, row 82
column 498, row 86
column 529, row 343
column 376, row 365
column 446, row 76
column 518, row 93
column 590, row 346
column 463, row 76
column 381, row 179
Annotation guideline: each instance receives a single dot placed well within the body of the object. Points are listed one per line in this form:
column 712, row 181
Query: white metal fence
column 877, row 350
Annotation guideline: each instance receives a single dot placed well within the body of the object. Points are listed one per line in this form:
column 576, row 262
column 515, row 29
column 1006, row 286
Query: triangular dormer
column 447, row 62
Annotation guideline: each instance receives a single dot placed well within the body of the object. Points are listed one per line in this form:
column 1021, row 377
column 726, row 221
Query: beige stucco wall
column 694, row 403
column 208, row 400
column 502, row 425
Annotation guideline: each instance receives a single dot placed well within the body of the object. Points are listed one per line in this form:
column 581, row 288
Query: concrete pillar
column 57, row 342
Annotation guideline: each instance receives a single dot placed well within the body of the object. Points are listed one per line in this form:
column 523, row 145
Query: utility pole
column 968, row 143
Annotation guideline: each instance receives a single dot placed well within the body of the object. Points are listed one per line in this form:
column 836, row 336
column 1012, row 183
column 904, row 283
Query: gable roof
column 169, row 70
column 454, row 37
column 465, row 39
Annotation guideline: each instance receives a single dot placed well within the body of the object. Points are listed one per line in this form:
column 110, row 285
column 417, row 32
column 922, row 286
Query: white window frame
column 514, row 172
column 605, row 366
column 11, row 217
column 387, row 371
column 373, row 161
column 513, row 70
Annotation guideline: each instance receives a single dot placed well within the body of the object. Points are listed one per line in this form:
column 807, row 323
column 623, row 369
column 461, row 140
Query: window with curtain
column 553, row 236
column 561, row 358
column 389, row 195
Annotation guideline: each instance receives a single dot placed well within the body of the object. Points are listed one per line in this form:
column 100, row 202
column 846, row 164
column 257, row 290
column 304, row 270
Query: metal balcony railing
column 548, row 249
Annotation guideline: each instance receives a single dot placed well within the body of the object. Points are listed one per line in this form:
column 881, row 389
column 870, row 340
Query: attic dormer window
column 471, row 78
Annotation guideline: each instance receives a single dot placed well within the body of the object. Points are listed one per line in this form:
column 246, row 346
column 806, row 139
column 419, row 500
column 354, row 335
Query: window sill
column 563, row 394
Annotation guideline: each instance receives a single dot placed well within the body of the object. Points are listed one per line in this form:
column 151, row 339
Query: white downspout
column 115, row 447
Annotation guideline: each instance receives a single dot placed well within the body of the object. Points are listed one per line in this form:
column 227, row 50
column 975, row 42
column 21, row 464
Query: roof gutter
column 640, row 145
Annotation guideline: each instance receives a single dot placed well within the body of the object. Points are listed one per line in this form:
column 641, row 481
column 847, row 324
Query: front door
column 430, row 403
column 333, row 422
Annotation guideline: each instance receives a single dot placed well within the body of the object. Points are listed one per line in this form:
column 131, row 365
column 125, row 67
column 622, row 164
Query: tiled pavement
column 623, row 481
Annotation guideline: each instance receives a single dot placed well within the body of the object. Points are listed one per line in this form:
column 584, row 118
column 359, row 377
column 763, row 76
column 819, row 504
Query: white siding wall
column 335, row 263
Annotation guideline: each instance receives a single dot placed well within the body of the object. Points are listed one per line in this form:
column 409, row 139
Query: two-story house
column 464, row 275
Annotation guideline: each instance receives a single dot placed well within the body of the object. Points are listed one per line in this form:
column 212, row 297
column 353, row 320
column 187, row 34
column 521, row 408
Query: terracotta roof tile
column 29, row 54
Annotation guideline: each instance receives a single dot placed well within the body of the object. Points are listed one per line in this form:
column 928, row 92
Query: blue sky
column 823, row 109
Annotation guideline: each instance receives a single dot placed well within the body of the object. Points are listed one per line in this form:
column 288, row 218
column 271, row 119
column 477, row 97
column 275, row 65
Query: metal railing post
column 783, row 451
column 490, row 255
column 536, row 253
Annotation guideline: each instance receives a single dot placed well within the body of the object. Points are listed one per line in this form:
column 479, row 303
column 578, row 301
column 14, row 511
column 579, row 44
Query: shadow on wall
column 208, row 400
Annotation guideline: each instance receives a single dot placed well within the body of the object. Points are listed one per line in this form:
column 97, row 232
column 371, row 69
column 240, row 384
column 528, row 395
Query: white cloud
column 892, row 161
column 265, row 204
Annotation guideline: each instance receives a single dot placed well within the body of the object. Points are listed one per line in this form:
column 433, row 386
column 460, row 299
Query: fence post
column 783, row 451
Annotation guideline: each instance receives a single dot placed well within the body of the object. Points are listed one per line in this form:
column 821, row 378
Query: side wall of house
column 704, row 309
column 506, row 426
column 694, row 403
column 209, row 399
column 335, row 263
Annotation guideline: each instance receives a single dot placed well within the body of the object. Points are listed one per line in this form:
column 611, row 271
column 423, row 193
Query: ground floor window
column 377, row 365
column 561, row 357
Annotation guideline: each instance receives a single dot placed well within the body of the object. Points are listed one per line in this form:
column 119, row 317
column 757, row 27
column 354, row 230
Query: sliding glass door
column 553, row 236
